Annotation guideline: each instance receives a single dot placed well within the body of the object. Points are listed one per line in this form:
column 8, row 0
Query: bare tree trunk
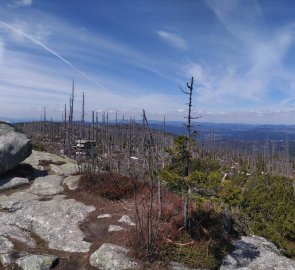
column 65, row 129
column 83, row 118
column 188, row 149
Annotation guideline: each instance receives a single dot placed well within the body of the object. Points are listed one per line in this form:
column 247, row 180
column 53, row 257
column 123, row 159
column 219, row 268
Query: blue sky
column 135, row 54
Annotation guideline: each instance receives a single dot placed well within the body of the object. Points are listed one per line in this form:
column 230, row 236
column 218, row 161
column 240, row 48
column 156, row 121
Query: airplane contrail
column 52, row 52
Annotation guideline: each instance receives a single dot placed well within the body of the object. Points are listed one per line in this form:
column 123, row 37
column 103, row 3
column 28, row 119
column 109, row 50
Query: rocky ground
column 45, row 221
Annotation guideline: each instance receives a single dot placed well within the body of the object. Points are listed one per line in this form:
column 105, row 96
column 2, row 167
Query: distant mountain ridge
column 229, row 131
column 221, row 131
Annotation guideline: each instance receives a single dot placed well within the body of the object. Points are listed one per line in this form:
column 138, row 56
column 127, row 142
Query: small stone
column 5, row 249
column 126, row 219
column 111, row 257
column 5, row 259
column 37, row 262
column 115, row 228
column 72, row 181
column 104, row 216
column 5, row 245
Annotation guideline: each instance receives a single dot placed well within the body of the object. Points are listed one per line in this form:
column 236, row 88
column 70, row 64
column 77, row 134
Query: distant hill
column 222, row 131
column 228, row 131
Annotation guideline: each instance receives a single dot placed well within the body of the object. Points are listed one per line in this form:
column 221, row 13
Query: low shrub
column 265, row 205
column 110, row 185
column 203, row 245
column 198, row 254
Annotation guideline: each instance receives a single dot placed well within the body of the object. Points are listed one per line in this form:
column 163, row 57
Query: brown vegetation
column 204, row 245
column 110, row 185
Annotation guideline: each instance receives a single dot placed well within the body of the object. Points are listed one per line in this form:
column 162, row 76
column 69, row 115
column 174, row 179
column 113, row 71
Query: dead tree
column 187, row 157
column 72, row 105
column 83, row 118
column 93, row 126
column 65, row 129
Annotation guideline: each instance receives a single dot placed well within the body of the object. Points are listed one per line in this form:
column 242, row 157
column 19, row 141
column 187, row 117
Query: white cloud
column 23, row 34
column 173, row 39
column 20, row 3
column 51, row 87
column 252, row 76
column 1, row 51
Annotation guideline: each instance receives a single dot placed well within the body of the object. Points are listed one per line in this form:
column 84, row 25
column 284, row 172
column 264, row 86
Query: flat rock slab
column 37, row 262
column 36, row 156
column 65, row 169
column 10, row 228
column 111, row 257
column 72, row 181
column 47, row 185
column 13, row 182
column 126, row 219
column 17, row 200
column 256, row 253
column 56, row 220
column 115, row 228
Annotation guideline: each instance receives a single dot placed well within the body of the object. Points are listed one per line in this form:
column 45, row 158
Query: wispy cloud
column 85, row 47
column 172, row 39
column 16, row 30
column 1, row 51
column 248, row 80
column 20, row 3
column 51, row 85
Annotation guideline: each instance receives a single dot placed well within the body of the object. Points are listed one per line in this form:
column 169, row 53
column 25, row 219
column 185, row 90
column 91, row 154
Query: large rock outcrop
column 256, row 253
column 14, row 147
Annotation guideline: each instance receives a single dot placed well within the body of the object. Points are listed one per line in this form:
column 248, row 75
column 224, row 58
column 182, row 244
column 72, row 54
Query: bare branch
column 184, row 91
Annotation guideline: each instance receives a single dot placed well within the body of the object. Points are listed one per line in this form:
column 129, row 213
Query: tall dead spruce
column 187, row 156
